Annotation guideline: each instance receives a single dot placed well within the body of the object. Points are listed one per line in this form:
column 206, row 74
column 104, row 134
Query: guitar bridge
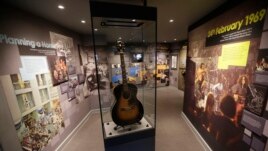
column 127, row 108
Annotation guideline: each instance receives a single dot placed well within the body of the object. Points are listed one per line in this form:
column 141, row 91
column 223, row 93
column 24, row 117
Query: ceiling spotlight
column 175, row 39
column 96, row 29
column 61, row 7
column 171, row 20
column 165, row 41
column 133, row 20
column 119, row 38
column 83, row 21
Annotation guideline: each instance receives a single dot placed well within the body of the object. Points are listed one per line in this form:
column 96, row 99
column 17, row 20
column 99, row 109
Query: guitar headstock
column 120, row 45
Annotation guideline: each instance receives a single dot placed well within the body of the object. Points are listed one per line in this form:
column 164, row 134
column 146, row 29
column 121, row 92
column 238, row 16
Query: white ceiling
column 184, row 13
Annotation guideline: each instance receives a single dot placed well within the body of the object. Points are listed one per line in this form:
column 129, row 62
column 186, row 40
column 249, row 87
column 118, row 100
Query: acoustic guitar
column 127, row 109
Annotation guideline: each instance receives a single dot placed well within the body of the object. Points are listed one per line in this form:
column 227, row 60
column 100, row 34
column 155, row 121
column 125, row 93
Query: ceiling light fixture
column 61, row 6
column 119, row 38
column 175, row 39
column 133, row 20
column 83, row 21
column 165, row 41
column 171, row 20
column 96, row 29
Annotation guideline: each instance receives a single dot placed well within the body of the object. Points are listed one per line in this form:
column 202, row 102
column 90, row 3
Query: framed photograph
column 262, row 61
column 59, row 70
column 71, row 69
column 73, row 81
column 137, row 57
column 173, row 62
column 71, row 94
column 256, row 99
column 81, row 78
column 64, row 87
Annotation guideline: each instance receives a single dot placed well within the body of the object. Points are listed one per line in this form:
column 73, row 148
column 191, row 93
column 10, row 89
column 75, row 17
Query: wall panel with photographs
column 162, row 73
column 221, row 85
column 88, row 78
column 39, row 69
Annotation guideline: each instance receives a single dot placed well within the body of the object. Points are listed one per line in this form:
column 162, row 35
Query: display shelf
column 44, row 94
column 28, row 111
column 41, row 79
column 43, row 87
column 110, row 130
column 18, row 83
column 21, row 85
column 21, row 91
column 25, row 101
column 43, row 103
column 30, row 94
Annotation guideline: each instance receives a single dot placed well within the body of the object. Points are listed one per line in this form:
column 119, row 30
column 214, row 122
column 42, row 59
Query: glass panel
column 125, row 53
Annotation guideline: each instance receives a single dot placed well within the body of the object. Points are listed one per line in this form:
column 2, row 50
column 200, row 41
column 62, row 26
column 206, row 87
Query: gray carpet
column 172, row 133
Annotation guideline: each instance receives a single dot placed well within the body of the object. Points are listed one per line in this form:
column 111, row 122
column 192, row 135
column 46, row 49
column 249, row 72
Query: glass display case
column 124, row 39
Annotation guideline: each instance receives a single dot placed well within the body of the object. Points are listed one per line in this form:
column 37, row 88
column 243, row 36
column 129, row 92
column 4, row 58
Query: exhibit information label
column 32, row 65
column 235, row 54
column 245, row 27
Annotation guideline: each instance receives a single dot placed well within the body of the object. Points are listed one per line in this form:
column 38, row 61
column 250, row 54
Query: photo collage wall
column 220, row 88
column 48, row 73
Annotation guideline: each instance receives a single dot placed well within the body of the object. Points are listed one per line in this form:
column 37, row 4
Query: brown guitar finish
column 127, row 109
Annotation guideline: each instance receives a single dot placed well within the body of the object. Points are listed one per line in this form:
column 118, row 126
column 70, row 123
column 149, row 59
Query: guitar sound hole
column 126, row 95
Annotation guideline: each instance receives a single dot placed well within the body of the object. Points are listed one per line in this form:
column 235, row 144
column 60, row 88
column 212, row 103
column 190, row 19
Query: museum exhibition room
column 134, row 75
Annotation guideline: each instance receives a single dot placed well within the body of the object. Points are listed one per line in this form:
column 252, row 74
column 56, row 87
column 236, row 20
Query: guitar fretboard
column 124, row 74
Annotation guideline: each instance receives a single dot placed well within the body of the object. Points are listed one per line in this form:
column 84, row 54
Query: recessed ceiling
column 184, row 13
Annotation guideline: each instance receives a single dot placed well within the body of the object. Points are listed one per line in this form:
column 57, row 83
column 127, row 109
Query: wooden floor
column 172, row 133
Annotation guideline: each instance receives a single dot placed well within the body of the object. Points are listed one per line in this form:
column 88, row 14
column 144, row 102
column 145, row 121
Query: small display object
column 18, row 83
column 44, row 94
column 256, row 98
column 128, row 104
column 41, row 80
column 25, row 101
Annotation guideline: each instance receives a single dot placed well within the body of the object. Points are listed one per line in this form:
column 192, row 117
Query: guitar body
column 127, row 109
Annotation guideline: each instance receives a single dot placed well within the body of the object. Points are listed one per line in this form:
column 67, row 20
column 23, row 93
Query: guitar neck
column 124, row 73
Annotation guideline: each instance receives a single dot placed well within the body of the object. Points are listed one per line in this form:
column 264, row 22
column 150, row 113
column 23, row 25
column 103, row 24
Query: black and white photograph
column 79, row 94
column 71, row 94
column 64, row 87
column 64, row 46
column 81, row 78
column 71, row 69
column 73, row 81
column 256, row 98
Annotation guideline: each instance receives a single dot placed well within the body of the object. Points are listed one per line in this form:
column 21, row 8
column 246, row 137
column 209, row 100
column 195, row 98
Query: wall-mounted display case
column 127, row 91
column 35, row 107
